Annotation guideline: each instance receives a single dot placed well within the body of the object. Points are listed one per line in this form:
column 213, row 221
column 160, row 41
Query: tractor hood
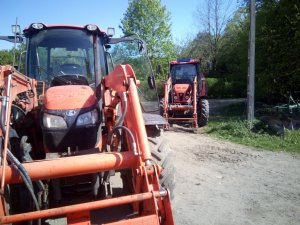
column 69, row 97
column 181, row 88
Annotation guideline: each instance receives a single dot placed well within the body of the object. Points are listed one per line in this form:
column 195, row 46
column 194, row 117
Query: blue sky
column 103, row 13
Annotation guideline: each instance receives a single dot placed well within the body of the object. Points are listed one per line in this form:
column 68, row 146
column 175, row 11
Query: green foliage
column 238, row 131
column 128, row 53
column 277, row 52
column 151, row 21
column 278, row 44
column 225, row 87
column 6, row 57
column 232, row 57
column 233, row 126
column 229, row 77
column 198, row 47
column 160, row 86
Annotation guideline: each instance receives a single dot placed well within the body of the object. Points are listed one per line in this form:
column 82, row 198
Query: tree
column 232, row 56
column 278, row 43
column 212, row 17
column 6, row 57
column 277, row 50
column 151, row 21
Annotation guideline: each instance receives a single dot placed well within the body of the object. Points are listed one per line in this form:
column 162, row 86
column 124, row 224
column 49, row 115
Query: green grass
column 233, row 126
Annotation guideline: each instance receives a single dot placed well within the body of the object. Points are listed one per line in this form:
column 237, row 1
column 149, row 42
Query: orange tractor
column 185, row 94
column 80, row 116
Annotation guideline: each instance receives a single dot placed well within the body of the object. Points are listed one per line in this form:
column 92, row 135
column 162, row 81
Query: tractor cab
column 183, row 73
column 63, row 55
column 71, row 61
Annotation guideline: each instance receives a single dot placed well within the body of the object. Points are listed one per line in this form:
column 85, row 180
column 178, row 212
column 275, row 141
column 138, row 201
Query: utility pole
column 251, row 65
column 16, row 31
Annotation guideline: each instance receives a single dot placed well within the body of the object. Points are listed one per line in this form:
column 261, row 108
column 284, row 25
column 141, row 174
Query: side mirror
column 151, row 82
column 110, row 31
column 107, row 46
column 142, row 47
column 158, row 69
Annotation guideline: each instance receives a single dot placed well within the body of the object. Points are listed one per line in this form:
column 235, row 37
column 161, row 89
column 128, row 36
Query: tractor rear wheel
column 203, row 112
column 161, row 107
column 161, row 154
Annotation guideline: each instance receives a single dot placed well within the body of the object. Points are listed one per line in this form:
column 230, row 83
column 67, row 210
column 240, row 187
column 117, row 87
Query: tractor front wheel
column 161, row 154
column 203, row 112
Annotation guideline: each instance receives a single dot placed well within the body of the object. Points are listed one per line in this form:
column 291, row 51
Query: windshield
column 184, row 73
column 129, row 52
column 61, row 53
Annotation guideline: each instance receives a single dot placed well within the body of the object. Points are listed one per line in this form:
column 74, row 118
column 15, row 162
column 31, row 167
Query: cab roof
column 41, row 26
column 184, row 61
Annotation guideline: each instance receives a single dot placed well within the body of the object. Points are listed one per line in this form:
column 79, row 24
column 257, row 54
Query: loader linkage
column 150, row 202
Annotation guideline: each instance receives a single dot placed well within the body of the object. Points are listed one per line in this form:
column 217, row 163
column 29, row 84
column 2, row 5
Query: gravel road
column 218, row 182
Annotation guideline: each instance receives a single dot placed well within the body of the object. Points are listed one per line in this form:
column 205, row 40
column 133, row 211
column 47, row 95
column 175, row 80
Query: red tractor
column 80, row 115
column 185, row 94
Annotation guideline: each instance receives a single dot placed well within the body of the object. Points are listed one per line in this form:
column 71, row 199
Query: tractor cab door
column 132, row 50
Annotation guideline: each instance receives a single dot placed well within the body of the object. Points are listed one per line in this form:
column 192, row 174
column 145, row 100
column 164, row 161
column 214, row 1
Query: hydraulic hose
column 18, row 166
column 4, row 118
column 133, row 144
column 119, row 125
column 121, row 120
column 23, row 173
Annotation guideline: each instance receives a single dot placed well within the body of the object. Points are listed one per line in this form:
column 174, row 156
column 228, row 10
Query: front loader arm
column 146, row 179
column 167, row 89
column 18, row 89
column 151, row 203
column 13, row 83
column 195, row 102
column 123, row 81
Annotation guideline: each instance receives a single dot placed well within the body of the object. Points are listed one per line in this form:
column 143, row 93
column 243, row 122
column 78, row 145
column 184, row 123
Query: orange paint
column 71, row 166
column 81, row 207
column 69, row 97
column 150, row 201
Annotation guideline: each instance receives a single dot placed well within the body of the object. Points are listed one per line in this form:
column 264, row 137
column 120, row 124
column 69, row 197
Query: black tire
column 162, row 154
column 161, row 107
column 20, row 199
column 203, row 112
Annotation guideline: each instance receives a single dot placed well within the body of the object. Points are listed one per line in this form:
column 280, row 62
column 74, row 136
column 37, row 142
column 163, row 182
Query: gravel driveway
column 223, row 183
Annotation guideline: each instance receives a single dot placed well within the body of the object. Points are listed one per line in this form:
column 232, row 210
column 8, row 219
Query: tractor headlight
column 52, row 121
column 187, row 97
column 175, row 97
column 37, row 26
column 88, row 118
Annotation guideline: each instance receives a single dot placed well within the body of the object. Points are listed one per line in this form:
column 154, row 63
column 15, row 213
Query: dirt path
column 223, row 183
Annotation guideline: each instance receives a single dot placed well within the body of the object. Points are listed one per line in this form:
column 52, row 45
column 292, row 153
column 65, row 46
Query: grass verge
column 233, row 126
